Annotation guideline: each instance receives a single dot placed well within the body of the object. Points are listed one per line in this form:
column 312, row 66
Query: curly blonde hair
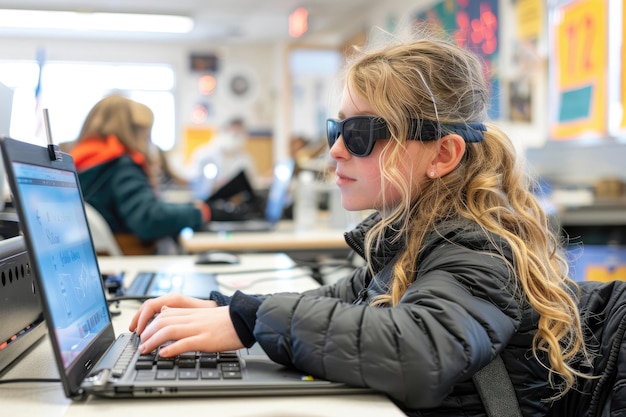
column 434, row 79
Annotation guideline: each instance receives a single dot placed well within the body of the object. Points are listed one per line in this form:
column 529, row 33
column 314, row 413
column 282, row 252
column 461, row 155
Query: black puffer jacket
column 603, row 313
column 463, row 309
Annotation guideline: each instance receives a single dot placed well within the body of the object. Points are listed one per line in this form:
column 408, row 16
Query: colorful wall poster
column 578, row 70
column 474, row 25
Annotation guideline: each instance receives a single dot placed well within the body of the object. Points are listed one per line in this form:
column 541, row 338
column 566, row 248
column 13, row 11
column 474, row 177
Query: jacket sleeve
column 453, row 319
column 243, row 307
column 347, row 289
column 143, row 213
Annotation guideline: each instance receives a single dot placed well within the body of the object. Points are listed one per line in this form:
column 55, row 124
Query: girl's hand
column 153, row 306
column 190, row 329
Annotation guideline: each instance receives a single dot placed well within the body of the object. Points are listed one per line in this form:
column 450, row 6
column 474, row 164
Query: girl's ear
column 451, row 149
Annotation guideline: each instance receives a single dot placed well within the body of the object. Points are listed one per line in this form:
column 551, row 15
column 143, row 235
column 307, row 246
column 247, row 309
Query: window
column 69, row 90
column 313, row 73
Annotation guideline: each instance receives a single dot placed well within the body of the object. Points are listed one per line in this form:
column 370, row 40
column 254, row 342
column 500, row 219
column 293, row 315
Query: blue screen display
column 55, row 219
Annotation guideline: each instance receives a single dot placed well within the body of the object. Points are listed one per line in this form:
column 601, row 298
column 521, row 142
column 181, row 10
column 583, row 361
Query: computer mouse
column 217, row 257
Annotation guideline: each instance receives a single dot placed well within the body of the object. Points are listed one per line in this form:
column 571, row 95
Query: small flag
column 39, row 125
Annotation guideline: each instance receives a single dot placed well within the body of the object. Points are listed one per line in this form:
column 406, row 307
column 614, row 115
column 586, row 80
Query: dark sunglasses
column 359, row 133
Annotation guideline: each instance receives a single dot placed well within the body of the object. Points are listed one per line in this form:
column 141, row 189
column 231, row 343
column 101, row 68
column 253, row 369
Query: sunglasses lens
column 357, row 136
column 358, row 133
column 332, row 132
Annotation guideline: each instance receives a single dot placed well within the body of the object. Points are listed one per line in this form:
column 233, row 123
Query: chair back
column 103, row 239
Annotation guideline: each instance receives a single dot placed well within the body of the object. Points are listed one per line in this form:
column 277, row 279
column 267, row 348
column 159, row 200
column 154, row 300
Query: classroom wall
column 268, row 106
column 394, row 13
column 263, row 64
column 265, row 108
column 259, row 63
column 569, row 164
column 251, row 60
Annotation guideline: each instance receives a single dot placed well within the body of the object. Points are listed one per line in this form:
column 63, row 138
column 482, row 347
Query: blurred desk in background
column 322, row 241
column 597, row 241
column 594, row 215
column 595, row 225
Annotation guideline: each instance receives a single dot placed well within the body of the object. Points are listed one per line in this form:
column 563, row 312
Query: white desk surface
column 48, row 399
column 256, row 273
column 283, row 238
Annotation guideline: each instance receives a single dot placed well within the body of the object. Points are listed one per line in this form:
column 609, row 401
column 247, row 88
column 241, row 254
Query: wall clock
column 239, row 85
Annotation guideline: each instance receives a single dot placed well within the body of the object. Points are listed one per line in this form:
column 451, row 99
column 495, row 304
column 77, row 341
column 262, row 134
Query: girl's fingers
column 198, row 329
column 153, row 306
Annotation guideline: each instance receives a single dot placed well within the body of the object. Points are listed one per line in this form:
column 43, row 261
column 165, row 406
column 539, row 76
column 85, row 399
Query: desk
column 47, row 399
column 283, row 239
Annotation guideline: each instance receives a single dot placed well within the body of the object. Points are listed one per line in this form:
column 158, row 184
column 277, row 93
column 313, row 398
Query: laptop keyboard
column 188, row 366
column 139, row 285
column 155, row 284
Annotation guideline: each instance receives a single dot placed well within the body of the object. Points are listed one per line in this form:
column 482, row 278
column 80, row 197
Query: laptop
column 148, row 284
column 89, row 357
column 254, row 220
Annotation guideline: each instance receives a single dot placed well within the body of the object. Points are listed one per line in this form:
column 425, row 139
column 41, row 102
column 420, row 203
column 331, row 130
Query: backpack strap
column 496, row 390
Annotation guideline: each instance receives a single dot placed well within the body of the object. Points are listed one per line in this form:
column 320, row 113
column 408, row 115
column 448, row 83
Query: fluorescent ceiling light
column 87, row 21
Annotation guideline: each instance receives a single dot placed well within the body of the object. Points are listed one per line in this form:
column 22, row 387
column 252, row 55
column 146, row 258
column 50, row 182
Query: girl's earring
column 432, row 174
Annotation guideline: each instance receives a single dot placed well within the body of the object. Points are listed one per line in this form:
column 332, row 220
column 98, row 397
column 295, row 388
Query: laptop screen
column 279, row 190
column 55, row 219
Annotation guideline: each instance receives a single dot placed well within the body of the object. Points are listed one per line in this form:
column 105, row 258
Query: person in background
column 461, row 264
column 117, row 177
column 166, row 174
column 220, row 160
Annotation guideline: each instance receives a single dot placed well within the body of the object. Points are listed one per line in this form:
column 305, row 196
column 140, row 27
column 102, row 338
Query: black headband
column 427, row 130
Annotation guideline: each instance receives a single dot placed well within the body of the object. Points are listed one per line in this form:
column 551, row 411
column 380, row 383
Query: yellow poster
column 195, row 136
column 604, row 274
column 530, row 16
column 579, row 50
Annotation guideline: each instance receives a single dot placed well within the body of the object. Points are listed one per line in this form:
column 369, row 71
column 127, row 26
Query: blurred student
column 223, row 158
column 117, row 177
column 165, row 173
